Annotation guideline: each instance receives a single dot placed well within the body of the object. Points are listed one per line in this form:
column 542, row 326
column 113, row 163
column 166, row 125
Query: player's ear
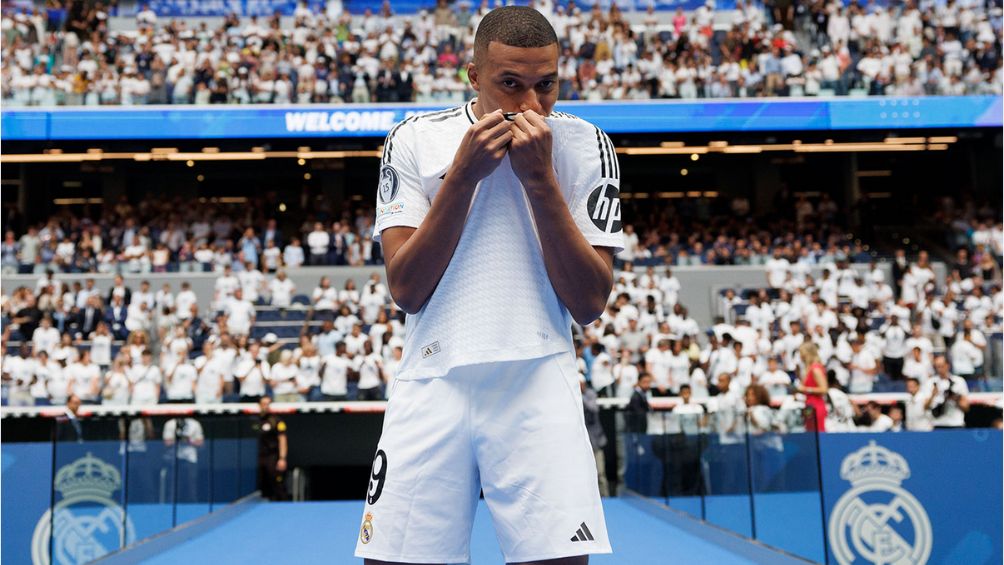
column 472, row 77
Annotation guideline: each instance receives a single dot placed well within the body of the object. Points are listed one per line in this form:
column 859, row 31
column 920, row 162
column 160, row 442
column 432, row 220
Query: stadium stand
column 282, row 52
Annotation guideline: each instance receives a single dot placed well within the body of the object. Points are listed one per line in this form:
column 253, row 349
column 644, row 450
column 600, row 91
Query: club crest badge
column 877, row 521
column 366, row 532
column 87, row 522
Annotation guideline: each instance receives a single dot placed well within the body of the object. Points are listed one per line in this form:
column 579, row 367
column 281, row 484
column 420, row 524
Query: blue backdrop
column 228, row 122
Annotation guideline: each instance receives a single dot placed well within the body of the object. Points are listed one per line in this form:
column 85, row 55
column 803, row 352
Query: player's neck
column 476, row 109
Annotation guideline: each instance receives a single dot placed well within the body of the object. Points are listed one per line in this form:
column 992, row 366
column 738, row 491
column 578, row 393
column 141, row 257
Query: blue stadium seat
column 301, row 299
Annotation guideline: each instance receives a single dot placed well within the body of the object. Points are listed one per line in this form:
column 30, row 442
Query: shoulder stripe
column 603, row 153
column 615, row 167
column 467, row 110
column 446, row 116
column 438, row 113
column 389, row 144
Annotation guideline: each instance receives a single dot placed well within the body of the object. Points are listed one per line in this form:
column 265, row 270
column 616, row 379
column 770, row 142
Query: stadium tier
column 313, row 52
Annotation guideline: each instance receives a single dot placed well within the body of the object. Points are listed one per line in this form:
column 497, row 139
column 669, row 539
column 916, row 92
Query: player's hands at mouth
column 530, row 150
column 483, row 147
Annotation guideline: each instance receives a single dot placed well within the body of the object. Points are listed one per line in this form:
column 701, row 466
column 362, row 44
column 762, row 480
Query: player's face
column 516, row 79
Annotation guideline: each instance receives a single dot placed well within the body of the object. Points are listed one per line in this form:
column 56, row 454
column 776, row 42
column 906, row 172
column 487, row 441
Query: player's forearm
column 580, row 276
column 414, row 271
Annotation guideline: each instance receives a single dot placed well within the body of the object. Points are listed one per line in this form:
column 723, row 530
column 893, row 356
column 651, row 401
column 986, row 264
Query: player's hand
column 483, row 147
column 530, row 152
column 280, row 465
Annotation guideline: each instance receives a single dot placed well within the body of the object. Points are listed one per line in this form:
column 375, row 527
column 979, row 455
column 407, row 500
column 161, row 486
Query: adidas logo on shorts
column 583, row 534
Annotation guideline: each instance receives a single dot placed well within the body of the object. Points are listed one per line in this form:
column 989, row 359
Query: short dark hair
column 516, row 26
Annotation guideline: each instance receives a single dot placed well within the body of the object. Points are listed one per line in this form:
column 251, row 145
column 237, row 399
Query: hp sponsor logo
column 604, row 207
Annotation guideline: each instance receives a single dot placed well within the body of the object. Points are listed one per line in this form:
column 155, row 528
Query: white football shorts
column 514, row 429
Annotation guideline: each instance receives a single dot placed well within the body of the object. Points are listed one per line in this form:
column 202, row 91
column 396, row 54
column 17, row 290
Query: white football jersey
column 495, row 301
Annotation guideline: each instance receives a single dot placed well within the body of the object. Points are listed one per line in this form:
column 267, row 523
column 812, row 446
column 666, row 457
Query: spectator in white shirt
column 181, row 381
column 335, row 371
column 918, row 417
column 863, row 367
column 317, row 242
column 282, row 290
column 292, row 255
column 918, row 365
column 240, row 314
column 947, row 396
column 878, row 422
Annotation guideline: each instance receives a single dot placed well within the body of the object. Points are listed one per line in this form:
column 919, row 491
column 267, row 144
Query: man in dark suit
column 271, row 233
column 638, row 408
column 115, row 317
column 86, row 319
column 68, row 426
column 120, row 289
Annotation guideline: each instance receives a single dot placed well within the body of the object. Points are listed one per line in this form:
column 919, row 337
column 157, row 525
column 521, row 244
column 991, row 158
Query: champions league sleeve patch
column 604, row 208
column 389, row 184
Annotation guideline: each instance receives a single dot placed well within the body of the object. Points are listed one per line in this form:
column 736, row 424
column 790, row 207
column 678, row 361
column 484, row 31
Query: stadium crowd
column 871, row 333
column 72, row 57
column 179, row 235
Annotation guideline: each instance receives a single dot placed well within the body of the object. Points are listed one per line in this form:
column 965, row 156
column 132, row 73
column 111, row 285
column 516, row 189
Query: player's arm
column 417, row 257
column 581, row 273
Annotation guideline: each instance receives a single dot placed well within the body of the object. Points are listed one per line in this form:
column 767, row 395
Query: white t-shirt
column 187, row 435
column 952, row 414
column 601, row 371
column 239, row 315
column 336, row 375
column 145, row 381
column 116, row 390
column 283, row 378
column 657, row 363
column 101, row 349
column 83, row 376
column 282, row 292
column 628, row 375
column 45, row 339
column 777, row 270
column 182, row 382
column 918, row 417
column 183, row 303
column 861, row 381
column 369, row 371
column 253, row 373
column 211, row 375
column 495, row 301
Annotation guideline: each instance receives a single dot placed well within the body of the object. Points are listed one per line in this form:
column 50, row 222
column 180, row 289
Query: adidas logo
column 583, row 534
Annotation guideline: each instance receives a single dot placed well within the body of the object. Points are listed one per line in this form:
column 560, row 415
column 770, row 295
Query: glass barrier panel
column 150, row 464
column 725, row 465
column 683, row 468
column 642, row 466
column 87, row 519
column 224, row 455
column 189, row 472
column 785, row 478
column 248, row 456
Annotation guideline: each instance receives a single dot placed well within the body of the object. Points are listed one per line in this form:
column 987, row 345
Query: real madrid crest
column 877, row 521
column 366, row 532
column 87, row 523
column 389, row 183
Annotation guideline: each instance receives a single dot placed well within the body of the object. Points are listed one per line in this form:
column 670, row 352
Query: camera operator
column 948, row 396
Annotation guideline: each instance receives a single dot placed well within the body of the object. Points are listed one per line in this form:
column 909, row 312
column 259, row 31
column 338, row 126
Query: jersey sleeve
column 401, row 199
column 595, row 200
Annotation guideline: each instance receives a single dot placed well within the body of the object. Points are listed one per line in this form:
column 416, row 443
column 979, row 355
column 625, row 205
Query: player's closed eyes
column 543, row 85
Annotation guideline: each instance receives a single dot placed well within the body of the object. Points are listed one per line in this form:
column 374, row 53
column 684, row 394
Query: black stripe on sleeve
column 446, row 116
column 603, row 154
column 615, row 167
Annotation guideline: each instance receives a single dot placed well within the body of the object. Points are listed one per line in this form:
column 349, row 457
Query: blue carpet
column 325, row 532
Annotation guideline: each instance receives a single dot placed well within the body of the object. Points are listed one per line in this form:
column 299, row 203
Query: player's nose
column 531, row 102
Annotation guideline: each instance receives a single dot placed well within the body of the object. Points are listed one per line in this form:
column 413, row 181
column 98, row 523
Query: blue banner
column 375, row 120
column 913, row 497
